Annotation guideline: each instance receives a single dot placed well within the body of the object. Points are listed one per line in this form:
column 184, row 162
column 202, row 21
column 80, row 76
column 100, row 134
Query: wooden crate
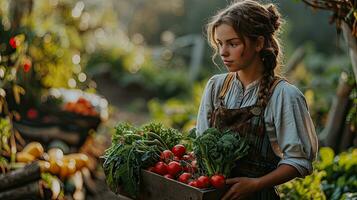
column 156, row 187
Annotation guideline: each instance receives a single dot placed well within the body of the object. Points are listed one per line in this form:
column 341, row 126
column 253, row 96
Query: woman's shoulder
column 217, row 79
column 286, row 89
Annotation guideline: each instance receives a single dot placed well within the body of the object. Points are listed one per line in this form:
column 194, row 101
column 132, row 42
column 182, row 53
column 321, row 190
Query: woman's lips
column 227, row 62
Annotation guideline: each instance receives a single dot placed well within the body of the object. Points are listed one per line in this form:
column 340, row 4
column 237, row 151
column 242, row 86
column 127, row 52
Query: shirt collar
column 250, row 86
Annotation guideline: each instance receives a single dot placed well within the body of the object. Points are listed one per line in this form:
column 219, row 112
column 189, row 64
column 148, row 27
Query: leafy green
column 217, row 151
column 334, row 178
column 304, row 188
column 133, row 149
column 5, row 133
column 170, row 136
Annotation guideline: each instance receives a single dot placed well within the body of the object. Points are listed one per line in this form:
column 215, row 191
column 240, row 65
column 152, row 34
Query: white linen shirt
column 287, row 120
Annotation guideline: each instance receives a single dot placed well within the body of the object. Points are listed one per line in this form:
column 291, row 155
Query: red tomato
column 160, row 168
column 217, row 181
column 168, row 176
column 13, row 43
column 166, row 155
column 179, row 150
column 193, row 184
column 27, row 65
column 184, row 177
column 203, row 182
column 32, row 113
column 174, row 168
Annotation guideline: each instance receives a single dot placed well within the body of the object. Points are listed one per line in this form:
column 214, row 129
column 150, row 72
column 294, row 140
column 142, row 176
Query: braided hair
column 252, row 20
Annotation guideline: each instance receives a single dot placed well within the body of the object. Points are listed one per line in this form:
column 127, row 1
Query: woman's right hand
column 242, row 187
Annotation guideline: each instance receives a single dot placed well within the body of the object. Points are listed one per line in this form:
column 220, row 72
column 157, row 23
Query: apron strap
column 226, row 85
column 258, row 110
column 275, row 83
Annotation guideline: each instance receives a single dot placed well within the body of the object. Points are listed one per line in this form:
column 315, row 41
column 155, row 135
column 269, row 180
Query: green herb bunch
column 217, row 152
column 133, row 149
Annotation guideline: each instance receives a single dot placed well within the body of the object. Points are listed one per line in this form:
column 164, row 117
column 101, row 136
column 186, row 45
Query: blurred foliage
column 317, row 77
column 5, row 149
column 352, row 113
column 334, row 177
column 304, row 189
column 54, row 40
column 5, row 133
column 136, row 69
column 178, row 113
column 342, row 11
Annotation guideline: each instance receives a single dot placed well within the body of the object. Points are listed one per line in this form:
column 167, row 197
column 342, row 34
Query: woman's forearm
column 280, row 175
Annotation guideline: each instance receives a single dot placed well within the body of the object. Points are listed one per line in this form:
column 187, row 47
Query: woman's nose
column 223, row 51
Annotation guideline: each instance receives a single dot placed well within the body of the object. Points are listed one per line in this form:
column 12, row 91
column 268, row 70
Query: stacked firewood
column 46, row 175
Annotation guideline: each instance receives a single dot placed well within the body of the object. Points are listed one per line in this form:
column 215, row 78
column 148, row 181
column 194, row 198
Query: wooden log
column 352, row 46
column 347, row 138
column 32, row 190
column 295, row 60
column 20, row 177
column 331, row 135
column 48, row 134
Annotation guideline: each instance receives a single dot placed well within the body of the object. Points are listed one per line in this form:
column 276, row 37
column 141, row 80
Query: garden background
column 142, row 61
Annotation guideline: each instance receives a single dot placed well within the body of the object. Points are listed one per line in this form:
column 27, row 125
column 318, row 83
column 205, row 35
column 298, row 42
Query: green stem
column 206, row 161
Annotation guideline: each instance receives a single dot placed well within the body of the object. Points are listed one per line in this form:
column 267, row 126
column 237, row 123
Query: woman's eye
column 233, row 45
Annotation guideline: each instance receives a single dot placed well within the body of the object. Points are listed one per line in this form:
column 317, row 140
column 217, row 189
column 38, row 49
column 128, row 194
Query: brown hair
column 252, row 19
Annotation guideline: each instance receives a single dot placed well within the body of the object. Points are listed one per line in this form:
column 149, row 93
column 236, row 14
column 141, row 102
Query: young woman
column 253, row 101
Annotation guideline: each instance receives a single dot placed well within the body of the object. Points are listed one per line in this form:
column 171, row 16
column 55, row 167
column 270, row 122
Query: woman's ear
column 259, row 43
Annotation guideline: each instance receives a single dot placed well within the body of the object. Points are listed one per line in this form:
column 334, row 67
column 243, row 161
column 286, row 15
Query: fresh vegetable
column 168, row 176
column 34, row 148
column 134, row 149
column 170, row 136
column 174, row 168
column 44, row 166
column 193, row 184
column 218, row 181
column 166, row 155
column 81, row 159
column 184, row 177
column 160, row 168
column 24, row 157
column 81, row 106
column 203, row 182
column 179, row 150
column 217, row 152
column 55, row 154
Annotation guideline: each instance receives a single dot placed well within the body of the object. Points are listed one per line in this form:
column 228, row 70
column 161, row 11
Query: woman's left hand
column 242, row 187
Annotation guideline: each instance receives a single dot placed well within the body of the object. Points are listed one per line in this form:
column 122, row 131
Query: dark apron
column 248, row 122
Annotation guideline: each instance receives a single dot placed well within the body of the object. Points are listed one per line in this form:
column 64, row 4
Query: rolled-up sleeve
column 295, row 131
column 206, row 107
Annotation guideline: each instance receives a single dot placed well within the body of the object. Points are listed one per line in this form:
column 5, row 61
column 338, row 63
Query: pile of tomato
column 179, row 165
column 82, row 106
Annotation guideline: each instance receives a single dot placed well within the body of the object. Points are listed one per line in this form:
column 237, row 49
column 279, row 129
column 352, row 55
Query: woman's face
column 235, row 55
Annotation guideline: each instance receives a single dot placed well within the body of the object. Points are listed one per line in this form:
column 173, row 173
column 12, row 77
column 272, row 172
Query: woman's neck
column 249, row 75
